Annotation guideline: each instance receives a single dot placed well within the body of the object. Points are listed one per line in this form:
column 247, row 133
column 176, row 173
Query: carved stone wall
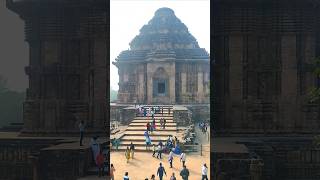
column 263, row 53
column 68, row 67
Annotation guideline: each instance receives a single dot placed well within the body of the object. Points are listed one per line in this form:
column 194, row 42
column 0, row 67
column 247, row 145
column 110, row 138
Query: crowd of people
column 203, row 126
column 161, row 172
column 147, row 111
column 170, row 146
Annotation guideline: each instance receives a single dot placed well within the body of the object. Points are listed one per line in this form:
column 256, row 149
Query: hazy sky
column 13, row 49
column 128, row 16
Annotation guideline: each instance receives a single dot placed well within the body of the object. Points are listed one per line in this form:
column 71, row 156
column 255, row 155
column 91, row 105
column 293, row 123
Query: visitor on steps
column 148, row 126
column 183, row 159
column 127, row 154
column 112, row 170
column 132, row 150
column 148, row 142
column 164, row 123
column 126, row 176
column 159, row 150
column 184, row 173
column 161, row 171
column 204, row 172
column 152, row 114
column 144, row 112
column 100, row 161
column 170, row 158
column 81, row 129
column 173, row 177
column 162, row 110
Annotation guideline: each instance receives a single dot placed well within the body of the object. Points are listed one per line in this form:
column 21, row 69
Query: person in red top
column 148, row 126
column 100, row 160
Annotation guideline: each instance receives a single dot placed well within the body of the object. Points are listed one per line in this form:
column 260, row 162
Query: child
column 153, row 149
column 127, row 154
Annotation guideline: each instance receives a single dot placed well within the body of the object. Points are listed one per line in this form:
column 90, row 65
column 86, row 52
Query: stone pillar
column 183, row 82
column 149, row 87
column 200, row 87
column 172, row 84
column 235, row 81
column 288, row 82
column 141, row 87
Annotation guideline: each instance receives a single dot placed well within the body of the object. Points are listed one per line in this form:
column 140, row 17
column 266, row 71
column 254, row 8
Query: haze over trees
column 11, row 104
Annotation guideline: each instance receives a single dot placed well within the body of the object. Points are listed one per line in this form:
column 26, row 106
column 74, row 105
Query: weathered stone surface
column 163, row 54
column 262, row 66
column 68, row 67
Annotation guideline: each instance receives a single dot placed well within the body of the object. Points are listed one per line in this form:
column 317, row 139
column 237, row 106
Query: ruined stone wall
column 68, row 68
column 262, row 70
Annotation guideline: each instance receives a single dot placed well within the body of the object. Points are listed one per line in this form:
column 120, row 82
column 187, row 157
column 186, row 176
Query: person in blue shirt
column 161, row 171
column 126, row 177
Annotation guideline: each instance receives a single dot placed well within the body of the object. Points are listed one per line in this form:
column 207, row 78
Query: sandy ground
column 144, row 165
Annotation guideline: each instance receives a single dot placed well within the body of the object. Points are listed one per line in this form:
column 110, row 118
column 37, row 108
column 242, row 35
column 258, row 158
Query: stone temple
column 164, row 65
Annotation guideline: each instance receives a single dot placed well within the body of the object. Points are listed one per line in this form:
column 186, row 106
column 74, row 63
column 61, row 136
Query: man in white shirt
column 183, row 158
column 204, row 172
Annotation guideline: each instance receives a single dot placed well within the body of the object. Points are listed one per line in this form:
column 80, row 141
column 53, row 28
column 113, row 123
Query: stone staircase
column 135, row 131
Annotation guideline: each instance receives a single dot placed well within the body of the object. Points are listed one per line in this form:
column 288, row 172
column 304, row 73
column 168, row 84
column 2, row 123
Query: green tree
column 113, row 95
column 314, row 94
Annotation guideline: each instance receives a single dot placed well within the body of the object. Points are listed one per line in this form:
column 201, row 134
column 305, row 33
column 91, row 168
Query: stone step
column 137, row 143
column 156, row 115
column 144, row 118
column 141, row 122
column 137, row 149
column 145, row 125
column 142, row 138
column 154, row 133
column 174, row 129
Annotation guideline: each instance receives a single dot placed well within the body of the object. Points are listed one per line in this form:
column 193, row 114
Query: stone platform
column 44, row 157
column 135, row 131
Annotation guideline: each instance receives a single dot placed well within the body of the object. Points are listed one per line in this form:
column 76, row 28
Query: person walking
column 126, row 176
column 170, row 158
column 148, row 142
column 173, row 177
column 81, row 129
column 159, row 149
column 183, row 159
column 162, row 110
column 204, row 172
column 164, row 123
column 148, row 126
column 132, row 150
column 127, row 154
column 100, row 161
column 184, row 173
column 153, row 149
column 153, row 177
column 161, row 171
column 112, row 170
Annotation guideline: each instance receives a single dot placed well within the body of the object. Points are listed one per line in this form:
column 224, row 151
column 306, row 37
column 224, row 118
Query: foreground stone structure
column 67, row 83
column 263, row 66
column 68, row 68
column 164, row 65
column 262, row 76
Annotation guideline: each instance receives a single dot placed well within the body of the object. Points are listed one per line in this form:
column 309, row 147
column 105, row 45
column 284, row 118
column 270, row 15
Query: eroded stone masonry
column 164, row 65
